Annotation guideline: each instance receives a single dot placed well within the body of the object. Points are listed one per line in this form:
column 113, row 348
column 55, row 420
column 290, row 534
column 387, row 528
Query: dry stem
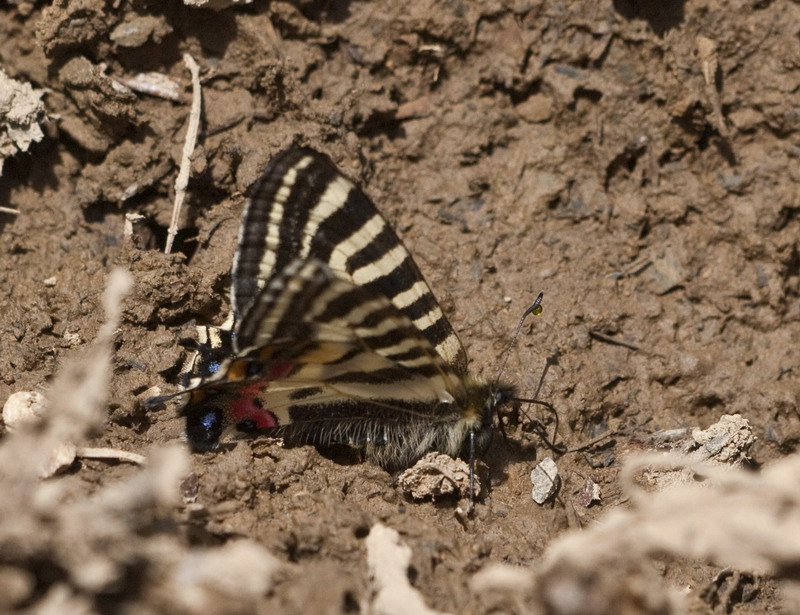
column 188, row 147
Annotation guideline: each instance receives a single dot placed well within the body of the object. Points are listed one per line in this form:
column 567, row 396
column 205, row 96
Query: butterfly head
column 501, row 394
column 483, row 401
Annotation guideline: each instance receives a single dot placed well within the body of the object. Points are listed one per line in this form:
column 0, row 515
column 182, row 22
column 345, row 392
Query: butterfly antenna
column 534, row 308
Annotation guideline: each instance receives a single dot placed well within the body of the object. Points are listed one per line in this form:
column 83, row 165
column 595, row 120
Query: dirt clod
column 435, row 476
column 21, row 114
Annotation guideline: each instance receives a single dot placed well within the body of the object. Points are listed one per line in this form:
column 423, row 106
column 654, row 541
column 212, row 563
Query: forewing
column 303, row 208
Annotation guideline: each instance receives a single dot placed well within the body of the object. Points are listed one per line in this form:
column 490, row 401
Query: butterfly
column 334, row 337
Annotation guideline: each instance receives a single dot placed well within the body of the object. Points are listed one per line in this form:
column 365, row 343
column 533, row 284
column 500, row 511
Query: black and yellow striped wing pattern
column 335, row 337
column 304, row 208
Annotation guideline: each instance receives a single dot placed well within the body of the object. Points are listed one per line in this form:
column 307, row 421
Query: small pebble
column 21, row 408
column 71, row 339
column 545, row 480
column 589, row 494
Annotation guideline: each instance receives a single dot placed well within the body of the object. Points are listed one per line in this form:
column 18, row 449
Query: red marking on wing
column 280, row 370
column 247, row 406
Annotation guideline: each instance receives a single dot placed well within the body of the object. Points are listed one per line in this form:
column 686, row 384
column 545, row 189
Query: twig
column 111, row 453
column 594, row 441
column 709, row 65
column 8, row 210
column 610, row 340
column 188, row 147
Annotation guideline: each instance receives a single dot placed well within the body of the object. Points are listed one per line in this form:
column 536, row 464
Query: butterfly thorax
column 482, row 399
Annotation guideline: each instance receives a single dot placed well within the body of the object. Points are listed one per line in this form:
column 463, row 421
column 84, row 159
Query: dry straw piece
column 182, row 181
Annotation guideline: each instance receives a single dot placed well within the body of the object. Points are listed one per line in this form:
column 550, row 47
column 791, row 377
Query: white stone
column 21, row 408
column 545, row 480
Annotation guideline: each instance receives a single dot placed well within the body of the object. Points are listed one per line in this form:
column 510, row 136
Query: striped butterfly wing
column 329, row 362
column 304, row 208
column 212, row 347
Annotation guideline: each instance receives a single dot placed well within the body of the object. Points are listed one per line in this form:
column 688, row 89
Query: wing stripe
column 347, row 356
column 394, row 384
column 262, row 222
column 371, row 242
column 299, row 394
column 431, row 321
column 385, row 335
column 405, row 349
column 390, row 375
column 389, row 261
column 335, row 197
column 406, row 298
column 399, row 279
column 425, row 305
column 433, row 331
column 301, row 205
column 335, row 232
column 350, row 307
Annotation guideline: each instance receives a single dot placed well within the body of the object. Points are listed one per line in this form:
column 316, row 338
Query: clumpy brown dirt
column 635, row 160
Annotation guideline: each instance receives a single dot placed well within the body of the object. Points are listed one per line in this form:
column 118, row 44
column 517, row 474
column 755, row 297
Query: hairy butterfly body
column 334, row 337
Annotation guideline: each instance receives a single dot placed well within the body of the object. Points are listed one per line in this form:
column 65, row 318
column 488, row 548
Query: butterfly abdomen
column 388, row 434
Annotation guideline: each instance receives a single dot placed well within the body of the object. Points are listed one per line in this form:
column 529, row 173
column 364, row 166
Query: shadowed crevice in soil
column 661, row 16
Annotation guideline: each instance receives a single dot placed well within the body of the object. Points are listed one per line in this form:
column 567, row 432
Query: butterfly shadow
column 531, row 437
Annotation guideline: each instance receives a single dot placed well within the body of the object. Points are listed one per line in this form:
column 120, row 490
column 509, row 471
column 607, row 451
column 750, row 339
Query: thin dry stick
column 709, row 64
column 110, row 453
column 188, row 147
column 8, row 210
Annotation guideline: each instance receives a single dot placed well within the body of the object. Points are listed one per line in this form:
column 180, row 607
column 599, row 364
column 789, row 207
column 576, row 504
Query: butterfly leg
column 471, row 468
